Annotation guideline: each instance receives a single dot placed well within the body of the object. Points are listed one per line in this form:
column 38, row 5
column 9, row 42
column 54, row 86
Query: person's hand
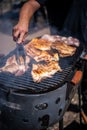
column 19, row 32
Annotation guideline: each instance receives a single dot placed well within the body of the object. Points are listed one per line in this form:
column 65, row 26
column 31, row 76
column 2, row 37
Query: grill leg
column 79, row 94
column 61, row 124
column 80, row 98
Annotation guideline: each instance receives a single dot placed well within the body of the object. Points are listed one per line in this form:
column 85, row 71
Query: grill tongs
column 20, row 54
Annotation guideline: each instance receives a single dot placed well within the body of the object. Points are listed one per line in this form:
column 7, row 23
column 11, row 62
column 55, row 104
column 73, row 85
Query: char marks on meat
column 42, row 71
column 63, row 49
column 41, row 55
column 40, row 44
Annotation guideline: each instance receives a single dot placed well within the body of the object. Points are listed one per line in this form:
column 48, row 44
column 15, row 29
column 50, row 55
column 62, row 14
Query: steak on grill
column 40, row 55
column 42, row 71
column 63, row 49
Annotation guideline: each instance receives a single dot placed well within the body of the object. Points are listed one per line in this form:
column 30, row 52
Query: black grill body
column 33, row 111
column 31, row 106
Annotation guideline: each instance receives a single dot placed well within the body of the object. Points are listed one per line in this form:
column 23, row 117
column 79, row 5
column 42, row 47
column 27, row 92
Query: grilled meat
column 51, row 38
column 73, row 41
column 63, row 49
column 47, row 48
column 10, row 68
column 40, row 44
column 67, row 40
column 42, row 71
column 21, row 70
column 13, row 67
column 11, row 60
column 39, row 55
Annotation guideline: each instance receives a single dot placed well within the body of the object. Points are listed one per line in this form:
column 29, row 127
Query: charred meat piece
column 42, row 71
column 40, row 44
column 39, row 55
column 63, row 49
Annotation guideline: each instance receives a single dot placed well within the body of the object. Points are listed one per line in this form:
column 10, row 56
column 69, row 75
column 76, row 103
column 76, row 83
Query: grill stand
column 61, row 124
column 82, row 114
column 76, row 80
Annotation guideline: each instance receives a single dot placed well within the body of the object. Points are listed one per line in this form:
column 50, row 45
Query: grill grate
column 25, row 82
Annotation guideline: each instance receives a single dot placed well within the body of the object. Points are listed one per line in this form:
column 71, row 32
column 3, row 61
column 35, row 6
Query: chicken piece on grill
column 42, row 71
column 70, row 41
column 67, row 40
column 10, row 66
column 63, row 49
column 22, row 69
column 40, row 44
column 43, row 55
column 11, row 60
column 51, row 38
column 13, row 67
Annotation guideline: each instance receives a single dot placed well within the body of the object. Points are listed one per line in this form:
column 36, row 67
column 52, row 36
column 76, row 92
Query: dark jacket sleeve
column 41, row 2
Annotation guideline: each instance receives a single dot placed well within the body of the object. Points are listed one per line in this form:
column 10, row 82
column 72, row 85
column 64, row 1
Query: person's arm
column 21, row 29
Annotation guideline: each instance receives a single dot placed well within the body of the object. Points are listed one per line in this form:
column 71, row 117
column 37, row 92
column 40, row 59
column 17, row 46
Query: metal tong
column 20, row 52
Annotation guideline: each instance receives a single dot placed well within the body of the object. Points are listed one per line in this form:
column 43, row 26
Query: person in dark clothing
column 66, row 17
column 40, row 12
column 56, row 11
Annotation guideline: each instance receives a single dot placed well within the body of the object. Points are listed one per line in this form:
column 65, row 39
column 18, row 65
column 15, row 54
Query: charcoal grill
column 28, row 105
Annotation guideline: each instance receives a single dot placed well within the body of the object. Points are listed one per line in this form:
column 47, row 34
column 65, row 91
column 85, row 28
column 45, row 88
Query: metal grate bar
column 13, row 82
column 26, row 82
